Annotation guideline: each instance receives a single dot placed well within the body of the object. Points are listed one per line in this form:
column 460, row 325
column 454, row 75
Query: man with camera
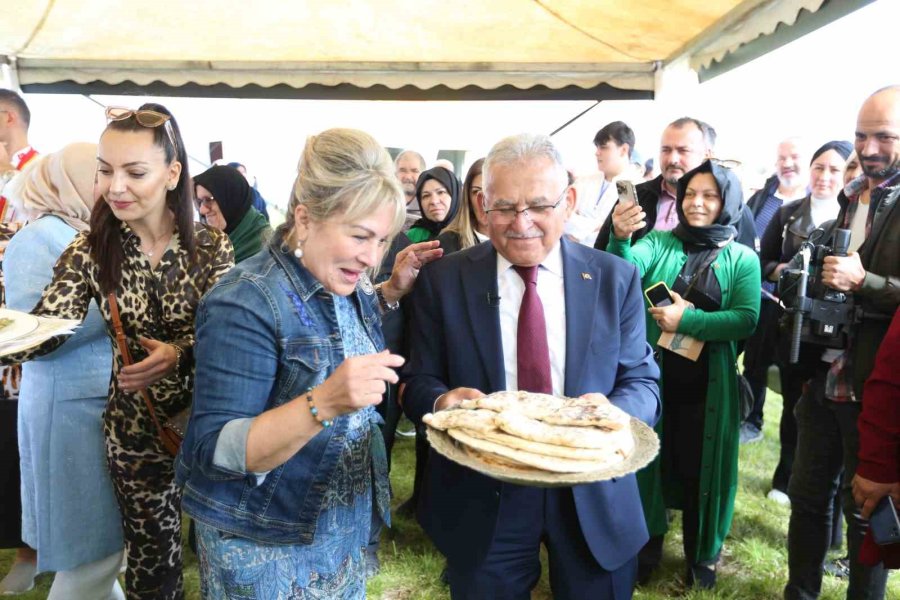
column 828, row 439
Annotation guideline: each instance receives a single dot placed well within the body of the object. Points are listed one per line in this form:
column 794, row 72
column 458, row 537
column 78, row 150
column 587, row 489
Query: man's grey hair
column 523, row 148
column 410, row 153
column 709, row 132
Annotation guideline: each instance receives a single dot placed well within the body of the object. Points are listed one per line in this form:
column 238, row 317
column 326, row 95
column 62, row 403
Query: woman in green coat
column 714, row 285
column 225, row 201
column 437, row 191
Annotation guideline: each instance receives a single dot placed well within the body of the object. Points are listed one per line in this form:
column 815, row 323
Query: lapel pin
column 586, row 276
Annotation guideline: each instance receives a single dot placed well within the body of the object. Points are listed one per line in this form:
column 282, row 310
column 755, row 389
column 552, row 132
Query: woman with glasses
column 225, row 202
column 69, row 510
column 284, row 467
column 469, row 226
column 437, row 191
column 714, row 299
column 144, row 248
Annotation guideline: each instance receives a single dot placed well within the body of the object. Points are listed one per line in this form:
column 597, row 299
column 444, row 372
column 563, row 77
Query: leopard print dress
column 158, row 304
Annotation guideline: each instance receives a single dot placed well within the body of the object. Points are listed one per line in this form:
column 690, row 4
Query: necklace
column 149, row 253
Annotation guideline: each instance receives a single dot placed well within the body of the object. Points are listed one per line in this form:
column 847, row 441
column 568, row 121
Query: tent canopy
column 381, row 44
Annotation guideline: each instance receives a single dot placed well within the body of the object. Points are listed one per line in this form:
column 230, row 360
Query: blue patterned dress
column 235, row 568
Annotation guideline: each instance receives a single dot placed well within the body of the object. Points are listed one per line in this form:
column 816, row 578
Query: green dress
column 660, row 256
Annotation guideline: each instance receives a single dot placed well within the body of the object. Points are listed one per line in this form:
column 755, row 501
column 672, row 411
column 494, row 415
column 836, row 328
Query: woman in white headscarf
column 69, row 510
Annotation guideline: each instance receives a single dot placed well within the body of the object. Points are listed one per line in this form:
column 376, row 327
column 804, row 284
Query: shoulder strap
column 708, row 261
column 126, row 355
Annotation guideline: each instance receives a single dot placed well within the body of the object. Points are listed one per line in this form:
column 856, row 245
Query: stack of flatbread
column 538, row 431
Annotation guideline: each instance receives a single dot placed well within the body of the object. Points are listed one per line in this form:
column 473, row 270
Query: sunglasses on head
column 145, row 118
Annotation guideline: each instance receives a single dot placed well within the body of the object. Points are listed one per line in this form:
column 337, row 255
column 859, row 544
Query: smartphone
column 884, row 524
column 626, row 192
column 658, row 294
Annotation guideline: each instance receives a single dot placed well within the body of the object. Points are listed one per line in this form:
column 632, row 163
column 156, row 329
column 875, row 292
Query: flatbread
column 498, row 461
column 577, row 412
column 511, row 441
column 518, row 425
column 477, row 420
column 547, row 463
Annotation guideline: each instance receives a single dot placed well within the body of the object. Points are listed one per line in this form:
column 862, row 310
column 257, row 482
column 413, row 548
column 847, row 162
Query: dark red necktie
column 533, row 362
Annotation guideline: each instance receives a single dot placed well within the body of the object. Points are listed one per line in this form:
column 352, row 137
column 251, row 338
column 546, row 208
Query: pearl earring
column 298, row 251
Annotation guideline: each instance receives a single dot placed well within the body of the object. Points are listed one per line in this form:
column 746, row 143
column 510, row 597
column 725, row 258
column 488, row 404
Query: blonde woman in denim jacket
column 283, row 467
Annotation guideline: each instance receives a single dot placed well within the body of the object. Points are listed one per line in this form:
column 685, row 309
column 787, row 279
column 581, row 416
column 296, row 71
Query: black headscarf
column 449, row 181
column 231, row 191
column 840, row 146
column 724, row 228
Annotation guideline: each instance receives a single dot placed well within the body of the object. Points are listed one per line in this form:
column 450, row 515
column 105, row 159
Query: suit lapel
column 581, row 282
column 479, row 284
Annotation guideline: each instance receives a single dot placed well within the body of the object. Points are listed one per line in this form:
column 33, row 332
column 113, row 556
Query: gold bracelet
column 179, row 354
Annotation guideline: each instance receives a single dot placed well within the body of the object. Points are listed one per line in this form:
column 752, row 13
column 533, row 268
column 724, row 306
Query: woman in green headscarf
column 225, row 201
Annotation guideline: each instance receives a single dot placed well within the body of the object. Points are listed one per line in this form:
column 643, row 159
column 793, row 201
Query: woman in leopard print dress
column 144, row 246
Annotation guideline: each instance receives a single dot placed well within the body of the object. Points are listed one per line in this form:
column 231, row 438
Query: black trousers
column 759, row 354
column 11, row 498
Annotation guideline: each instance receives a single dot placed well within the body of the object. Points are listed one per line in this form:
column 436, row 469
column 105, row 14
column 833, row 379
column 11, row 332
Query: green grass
column 754, row 562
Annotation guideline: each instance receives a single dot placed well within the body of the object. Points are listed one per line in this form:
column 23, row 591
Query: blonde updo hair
column 345, row 174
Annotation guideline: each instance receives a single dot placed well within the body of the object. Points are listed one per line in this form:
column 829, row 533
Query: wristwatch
column 383, row 303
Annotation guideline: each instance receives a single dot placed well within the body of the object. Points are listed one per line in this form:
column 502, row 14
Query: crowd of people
column 393, row 288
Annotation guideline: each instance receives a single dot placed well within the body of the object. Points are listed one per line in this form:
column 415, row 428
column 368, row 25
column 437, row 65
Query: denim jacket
column 266, row 333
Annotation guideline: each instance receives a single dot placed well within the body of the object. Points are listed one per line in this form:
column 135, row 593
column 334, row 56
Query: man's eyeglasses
column 145, row 118
column 508, row 214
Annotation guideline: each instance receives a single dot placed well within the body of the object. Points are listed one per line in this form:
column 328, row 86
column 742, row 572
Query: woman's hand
column 160, row 362
column 406, row 268
column 668, row 317
column 358, row 382
column 627, row 218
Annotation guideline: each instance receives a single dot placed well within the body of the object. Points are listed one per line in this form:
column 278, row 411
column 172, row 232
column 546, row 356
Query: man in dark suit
column 530, row 312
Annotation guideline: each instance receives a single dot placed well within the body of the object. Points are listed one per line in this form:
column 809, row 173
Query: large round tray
column 646, row 447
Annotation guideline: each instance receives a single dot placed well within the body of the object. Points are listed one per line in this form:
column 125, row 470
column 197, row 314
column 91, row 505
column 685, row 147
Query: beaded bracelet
column 315, row 411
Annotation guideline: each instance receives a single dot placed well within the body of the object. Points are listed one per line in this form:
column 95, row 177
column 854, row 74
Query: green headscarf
column 251, row 234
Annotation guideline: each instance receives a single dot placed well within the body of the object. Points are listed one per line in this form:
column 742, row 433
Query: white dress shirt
column 511, row 289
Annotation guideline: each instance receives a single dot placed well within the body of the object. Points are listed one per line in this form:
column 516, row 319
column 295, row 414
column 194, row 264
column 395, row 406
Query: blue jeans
column 828, row 441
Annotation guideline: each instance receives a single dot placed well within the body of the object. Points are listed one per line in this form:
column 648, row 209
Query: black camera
column 816, row 314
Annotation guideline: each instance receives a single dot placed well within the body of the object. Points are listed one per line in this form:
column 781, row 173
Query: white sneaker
column 20, row 579
column 779, row 497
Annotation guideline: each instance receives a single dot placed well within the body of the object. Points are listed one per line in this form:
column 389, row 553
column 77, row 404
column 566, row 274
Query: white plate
column 22, row 324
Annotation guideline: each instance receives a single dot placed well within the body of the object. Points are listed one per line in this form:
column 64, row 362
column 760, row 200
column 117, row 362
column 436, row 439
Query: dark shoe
column 750, row 433
column 839, row 567
column 373, row 565
column 701, row 577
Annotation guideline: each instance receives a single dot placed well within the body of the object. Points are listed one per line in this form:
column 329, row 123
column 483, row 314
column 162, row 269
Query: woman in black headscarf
column 437, row 191
column 225, row 202
column 715, row 299
column 788, row 229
